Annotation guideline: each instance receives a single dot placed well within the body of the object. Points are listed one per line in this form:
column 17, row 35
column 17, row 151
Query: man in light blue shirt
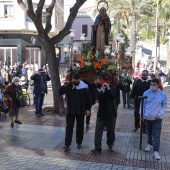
column 154, row 108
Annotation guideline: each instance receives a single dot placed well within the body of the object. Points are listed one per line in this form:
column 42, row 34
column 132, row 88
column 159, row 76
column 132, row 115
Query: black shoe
column 96, row 150
column 135, row 129
column 87, row 126
column 124, row 105
column 110, row 148
column 42, row 114
column 66, row 147
column 17, row 121
column 38, row 115
column 12, row 125
column 78, row 146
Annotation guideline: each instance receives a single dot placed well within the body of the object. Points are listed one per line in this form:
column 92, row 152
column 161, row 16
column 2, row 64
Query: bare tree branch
column 49, row 12
column 30, row 11
column 40, row 6
column 73, row 13
column 38, row 18
column 22, row 5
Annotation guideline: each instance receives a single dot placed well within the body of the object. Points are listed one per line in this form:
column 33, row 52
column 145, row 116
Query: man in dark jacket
column 140, row 86
column 106, row 115
column 78, row 104
column 125, row 87
column 40, row 88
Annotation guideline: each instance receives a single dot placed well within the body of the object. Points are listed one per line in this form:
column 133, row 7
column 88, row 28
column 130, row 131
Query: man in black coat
column 40, row 88
column 78, row 105
column 106, row 115
column 125, row 87
column 140, row 86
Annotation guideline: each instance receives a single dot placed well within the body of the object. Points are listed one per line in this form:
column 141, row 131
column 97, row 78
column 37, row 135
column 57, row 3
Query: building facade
column 18, row 35
column 81, row 24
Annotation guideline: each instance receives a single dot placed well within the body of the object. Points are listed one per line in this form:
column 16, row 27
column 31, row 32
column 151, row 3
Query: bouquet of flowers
column 97, row 63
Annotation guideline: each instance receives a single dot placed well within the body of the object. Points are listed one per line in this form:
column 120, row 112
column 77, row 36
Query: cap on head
column 76, row 76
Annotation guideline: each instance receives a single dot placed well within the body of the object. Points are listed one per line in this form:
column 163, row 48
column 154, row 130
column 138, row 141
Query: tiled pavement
column 37, row 145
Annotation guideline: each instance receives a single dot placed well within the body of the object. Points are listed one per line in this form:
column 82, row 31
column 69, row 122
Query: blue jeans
column 126, row 98
column 153, row 128
column 39, row 99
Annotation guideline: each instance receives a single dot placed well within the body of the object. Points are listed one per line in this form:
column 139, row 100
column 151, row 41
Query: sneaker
column 12, row 125
column 156, row 155
column 78, row 146
column 66, row 147
column 17, row 121
column 148, row 148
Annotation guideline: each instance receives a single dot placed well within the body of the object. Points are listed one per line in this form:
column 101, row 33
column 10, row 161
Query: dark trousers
column 100, row 123
column 114, row 126
column 154, row 132
column 88, row 119
column 39, row 99
column 126, row 98
column 79, row 128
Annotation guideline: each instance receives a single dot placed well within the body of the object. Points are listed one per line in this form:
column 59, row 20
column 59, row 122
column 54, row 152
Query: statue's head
column 102, row 11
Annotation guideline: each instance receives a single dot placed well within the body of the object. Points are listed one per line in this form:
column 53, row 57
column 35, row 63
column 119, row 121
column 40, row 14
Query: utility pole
column 156, row 37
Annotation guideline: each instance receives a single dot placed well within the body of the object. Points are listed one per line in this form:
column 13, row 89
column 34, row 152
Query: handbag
column 20, row 100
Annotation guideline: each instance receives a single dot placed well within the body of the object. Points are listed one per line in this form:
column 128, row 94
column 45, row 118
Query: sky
column 69, row 3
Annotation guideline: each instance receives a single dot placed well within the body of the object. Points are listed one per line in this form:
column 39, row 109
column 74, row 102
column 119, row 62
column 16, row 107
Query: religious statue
column 101, row 30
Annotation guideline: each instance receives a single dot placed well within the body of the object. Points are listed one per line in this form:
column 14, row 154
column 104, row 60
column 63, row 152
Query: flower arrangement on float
column 96, row 63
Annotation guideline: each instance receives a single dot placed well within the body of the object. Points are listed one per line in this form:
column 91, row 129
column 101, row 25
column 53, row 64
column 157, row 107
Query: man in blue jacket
column 40, row 88
column 154, row 109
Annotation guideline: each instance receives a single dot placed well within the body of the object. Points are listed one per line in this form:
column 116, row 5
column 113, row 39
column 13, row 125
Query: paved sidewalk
column 37, row 144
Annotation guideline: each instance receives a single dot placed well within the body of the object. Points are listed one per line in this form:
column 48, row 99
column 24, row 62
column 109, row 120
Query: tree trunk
column 133, row 38
column 54, row 73
column 55, row 79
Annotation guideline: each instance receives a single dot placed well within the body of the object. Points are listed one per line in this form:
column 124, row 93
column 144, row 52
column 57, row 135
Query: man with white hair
column 12, row 93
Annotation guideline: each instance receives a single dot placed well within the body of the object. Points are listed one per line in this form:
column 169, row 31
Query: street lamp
column 82, row 38
column 71, row 47
column 115, row 53
column 168, row 55
column 107, row 50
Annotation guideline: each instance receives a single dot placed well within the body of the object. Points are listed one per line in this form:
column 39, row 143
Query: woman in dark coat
column 12, row 92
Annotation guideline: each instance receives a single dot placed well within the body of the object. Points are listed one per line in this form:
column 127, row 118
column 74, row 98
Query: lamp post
column 72, row 35
column 116, row 51
column 82, row 38
column 71, row 47
column 168, row 55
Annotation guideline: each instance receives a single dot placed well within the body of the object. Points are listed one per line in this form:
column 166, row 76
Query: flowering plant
column 95, row 62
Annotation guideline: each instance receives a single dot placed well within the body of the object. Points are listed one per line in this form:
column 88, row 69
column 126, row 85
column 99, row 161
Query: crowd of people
column 81, row 95
column 16, row 78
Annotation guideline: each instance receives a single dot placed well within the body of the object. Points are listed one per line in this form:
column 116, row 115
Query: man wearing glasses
column 139, row 88
column 154, row 107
